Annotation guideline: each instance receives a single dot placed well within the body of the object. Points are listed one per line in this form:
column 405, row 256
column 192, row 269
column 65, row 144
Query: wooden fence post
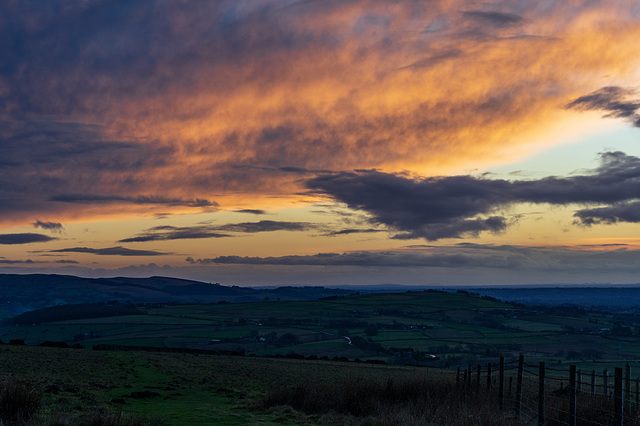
column 627, row 389
column 469, row 375
column 458, row 377
column 501, row 384
column 617, row 393
column 541, row 401
column 478, row 378
column 605, row 383
column 593, row 382
column 488, row 377
column 572, row 395
column 579, row 381
column 519, row 387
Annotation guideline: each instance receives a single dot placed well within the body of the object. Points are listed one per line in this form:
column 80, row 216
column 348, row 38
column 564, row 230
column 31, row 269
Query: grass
column 455, row 320
column 75, row 384
column 18, row 401
column 406, row 401
column 81, row 386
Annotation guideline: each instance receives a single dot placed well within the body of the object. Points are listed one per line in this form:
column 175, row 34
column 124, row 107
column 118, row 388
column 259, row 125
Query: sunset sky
column 322, row 142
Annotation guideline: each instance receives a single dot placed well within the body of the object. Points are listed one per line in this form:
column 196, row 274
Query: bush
column 18, row 402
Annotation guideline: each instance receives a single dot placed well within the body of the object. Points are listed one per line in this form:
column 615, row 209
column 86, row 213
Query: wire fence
column 537, row 394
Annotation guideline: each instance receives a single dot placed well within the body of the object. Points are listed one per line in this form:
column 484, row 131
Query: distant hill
column 607, row 298
column 22, row 293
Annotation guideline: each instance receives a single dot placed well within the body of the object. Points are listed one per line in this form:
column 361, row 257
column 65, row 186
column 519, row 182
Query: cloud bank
column 465, row 206
column 463, row 256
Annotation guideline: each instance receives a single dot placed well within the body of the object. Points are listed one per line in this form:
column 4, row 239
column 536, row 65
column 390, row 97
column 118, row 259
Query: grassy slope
column 193, row 389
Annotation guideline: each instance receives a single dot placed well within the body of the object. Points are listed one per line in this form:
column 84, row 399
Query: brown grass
column 18, row 402
column 591, row 410
column 394, row 402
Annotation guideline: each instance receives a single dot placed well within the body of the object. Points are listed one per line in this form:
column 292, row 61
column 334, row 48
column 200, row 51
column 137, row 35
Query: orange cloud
column 234, row 101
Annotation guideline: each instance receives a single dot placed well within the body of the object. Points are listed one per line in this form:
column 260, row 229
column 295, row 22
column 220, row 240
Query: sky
column 322, row 142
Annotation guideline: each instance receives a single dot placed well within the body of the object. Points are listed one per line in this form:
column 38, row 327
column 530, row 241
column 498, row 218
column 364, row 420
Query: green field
column 431, row 328
column 384, row 336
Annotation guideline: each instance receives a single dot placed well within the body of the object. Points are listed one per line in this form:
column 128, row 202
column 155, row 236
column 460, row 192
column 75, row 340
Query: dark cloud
column 266, row 226
column 457, row 206
column 161, row 233
column 168, row 232
column 468, row 228
column 142, row 199
column 352, row 231
column 50, row 226
column 498, row 19
column 291, row 169
column 629, row 212
column 430, row 208
column 16, row 262
column 251, row 211
column 111, row 251
column 25, row 238
column 613, row 100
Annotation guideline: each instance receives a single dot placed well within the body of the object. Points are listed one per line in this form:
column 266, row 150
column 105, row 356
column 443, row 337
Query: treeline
column 74, row 312
column 106, row 347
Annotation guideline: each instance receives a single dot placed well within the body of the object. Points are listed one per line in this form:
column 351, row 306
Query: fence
column 551, row 396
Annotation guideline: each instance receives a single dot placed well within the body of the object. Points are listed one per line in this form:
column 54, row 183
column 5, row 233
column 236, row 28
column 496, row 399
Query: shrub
column 17, row 401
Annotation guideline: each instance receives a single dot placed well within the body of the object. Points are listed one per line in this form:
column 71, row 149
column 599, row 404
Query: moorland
column 224, row 362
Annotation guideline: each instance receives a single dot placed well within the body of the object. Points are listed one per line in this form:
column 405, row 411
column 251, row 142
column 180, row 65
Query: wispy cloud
column 141, row 199
column 251, row 211
column 350, row 231
column 266, row 226
column 617, row 102
column 499, row 19
column 110, row 251
column 168, row 232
